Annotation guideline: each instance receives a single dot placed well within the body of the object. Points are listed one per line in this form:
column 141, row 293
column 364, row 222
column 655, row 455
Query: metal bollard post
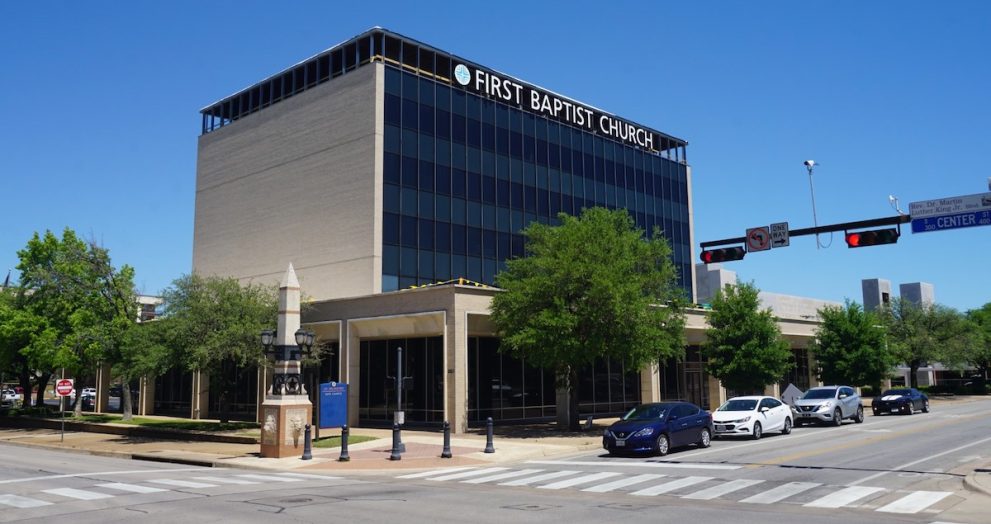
column 488, row 436
column 446, row 452
column 307, row 452
column 344, row 445
column 395, row 443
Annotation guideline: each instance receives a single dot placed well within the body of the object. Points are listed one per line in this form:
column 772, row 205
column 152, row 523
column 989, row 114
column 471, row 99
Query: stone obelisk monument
column 287, row 409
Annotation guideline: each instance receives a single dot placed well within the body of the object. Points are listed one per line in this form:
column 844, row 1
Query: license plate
column 720, row 428
column 806, row 414
column 894, row 410
column 620, row 443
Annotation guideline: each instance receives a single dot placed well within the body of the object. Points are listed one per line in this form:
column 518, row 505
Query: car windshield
column 819, row 394
column 739, row 405
column 645, row 412
column 897, row 392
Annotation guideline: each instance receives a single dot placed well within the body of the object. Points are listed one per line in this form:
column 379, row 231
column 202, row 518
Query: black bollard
column 446, row 452
column 395, row 443
column 344, row 445
column 488, row 436
column 307, row 453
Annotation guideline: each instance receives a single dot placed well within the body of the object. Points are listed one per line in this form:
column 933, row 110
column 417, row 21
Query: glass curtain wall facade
column 463, row 175
column 423, row 397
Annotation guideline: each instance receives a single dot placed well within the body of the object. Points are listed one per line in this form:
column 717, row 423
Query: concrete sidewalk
column 423, row 449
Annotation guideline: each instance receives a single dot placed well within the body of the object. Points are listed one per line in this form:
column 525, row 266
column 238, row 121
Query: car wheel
column 909, row 410
column 663, row 445
column 705, row 439
column 787, row 429
column 877, row 413
column 925, row 406
column 758, row 432
column 860, row 415
column 837, row 417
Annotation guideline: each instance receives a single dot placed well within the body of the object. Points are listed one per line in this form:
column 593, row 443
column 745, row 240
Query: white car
column 751, row 417
column 10, row 395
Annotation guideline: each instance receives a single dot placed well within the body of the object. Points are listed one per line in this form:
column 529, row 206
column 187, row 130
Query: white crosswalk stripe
column 22, row 502
column 843, row 497
column 781, row 492
column 561, row 484
column 182, row 483
column 308, row 476
column 668, row 487
column 266, row 478
column 434, row 472
column 722, row 489
column 227, row 480
column 539, row 478
column 132, row 488
column 915, row 502
column 77, row 493
column 466, row 474
column 622, row 483
column 502, row 476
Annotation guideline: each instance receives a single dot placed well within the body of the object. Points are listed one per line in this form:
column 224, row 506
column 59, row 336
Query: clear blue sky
column 99, row 108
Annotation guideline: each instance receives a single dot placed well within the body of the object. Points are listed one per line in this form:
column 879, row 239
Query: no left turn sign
column 758, row 239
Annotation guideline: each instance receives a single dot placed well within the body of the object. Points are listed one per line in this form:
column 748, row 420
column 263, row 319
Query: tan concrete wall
column 300, row 182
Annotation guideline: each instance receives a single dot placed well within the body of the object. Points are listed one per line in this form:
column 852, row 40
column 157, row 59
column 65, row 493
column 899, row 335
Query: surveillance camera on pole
column 810, row 165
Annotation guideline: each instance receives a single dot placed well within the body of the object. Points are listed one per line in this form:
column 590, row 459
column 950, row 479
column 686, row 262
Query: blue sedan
column 903, row 400
column 658, row 428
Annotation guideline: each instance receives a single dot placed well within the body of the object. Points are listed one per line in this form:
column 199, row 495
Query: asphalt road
column 888, row 469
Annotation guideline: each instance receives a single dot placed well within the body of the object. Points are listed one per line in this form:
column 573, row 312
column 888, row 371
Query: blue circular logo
column 462, row 75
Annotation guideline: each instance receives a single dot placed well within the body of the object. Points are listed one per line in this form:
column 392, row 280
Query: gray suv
column 829, row 404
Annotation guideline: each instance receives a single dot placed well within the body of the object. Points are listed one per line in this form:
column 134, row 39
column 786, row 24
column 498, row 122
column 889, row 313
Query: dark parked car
column 658, row 428
column 902, row 400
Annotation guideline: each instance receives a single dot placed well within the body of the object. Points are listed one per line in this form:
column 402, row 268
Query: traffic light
column 874, row 237
column 726, row 254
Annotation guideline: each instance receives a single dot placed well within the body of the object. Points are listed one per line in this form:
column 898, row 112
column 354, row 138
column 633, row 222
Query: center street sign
column 951, row 213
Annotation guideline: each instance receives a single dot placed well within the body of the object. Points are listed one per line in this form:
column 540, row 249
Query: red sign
column 64, row 387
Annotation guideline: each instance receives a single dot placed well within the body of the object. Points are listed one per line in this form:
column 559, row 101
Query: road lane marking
column 227, row 480
column 722, row 489
column 466, row 474
column 843, row 497
column 680, row 465
column 915, row 502
column 104, row 473
column 266, row 478
column 502, row 476
column 309, row 476
column 434, row 472
column 22, row 502
column 622, row 483
column 133, row 488
column 77, row 493
column 924, row 459
column 182, row 483
column 546, row 476
column 670, row 486
column 585, row 479
column 781, row 492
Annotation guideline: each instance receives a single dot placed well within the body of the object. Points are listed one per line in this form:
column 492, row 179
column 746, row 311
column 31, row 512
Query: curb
column 971, row 483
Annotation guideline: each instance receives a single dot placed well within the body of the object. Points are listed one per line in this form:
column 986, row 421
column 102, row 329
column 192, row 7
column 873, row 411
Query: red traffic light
column 722, row 255
column 874, row 237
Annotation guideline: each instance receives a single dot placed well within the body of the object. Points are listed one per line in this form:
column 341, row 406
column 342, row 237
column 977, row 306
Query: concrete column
column 146, row 396
column 650, row 384
column 102, row 401
column 717, row 394
column 455, row 376
column 772, row 390
column 199, row 407
column 351, row 369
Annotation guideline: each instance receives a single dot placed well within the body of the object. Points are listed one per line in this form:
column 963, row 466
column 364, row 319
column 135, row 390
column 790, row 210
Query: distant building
column 877, row 293
column 918, row 293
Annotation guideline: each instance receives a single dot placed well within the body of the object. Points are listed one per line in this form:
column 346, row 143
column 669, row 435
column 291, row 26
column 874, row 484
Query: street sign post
column 63, row 388
column 779, row 234
column 758, row 239
column 957, row 221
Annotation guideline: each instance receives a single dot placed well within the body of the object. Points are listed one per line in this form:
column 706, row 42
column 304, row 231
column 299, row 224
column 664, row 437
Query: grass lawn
column 168, row 423
column 335, row 442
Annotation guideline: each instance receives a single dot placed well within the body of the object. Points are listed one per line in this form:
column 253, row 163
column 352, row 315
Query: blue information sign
column 956, row 221
column 333, row 405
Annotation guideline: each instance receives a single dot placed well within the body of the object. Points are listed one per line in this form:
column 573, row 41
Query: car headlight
column 822, row 407
column 606, row 433
column 645, row 432
column 740, row 420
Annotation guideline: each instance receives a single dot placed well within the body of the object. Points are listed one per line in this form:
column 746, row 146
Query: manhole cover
column 624, row 507
column 294, row 502
column 531, row 507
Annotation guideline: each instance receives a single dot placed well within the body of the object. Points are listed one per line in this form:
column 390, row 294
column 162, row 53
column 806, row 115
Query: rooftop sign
column 509, row 91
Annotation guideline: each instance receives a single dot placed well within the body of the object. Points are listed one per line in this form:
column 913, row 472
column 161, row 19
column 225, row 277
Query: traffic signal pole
column 860, row 224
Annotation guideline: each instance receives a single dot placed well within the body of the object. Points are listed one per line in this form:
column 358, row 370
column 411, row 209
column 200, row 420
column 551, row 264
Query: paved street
column 888, row 469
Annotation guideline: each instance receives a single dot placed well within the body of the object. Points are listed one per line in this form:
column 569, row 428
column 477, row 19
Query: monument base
column 284, row 420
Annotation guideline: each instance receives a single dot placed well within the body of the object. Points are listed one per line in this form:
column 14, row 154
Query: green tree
column 743, row 345
column 851, row 347
column 978, row 353
column 589, row 288
column 921, row 334
column 213, row 322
